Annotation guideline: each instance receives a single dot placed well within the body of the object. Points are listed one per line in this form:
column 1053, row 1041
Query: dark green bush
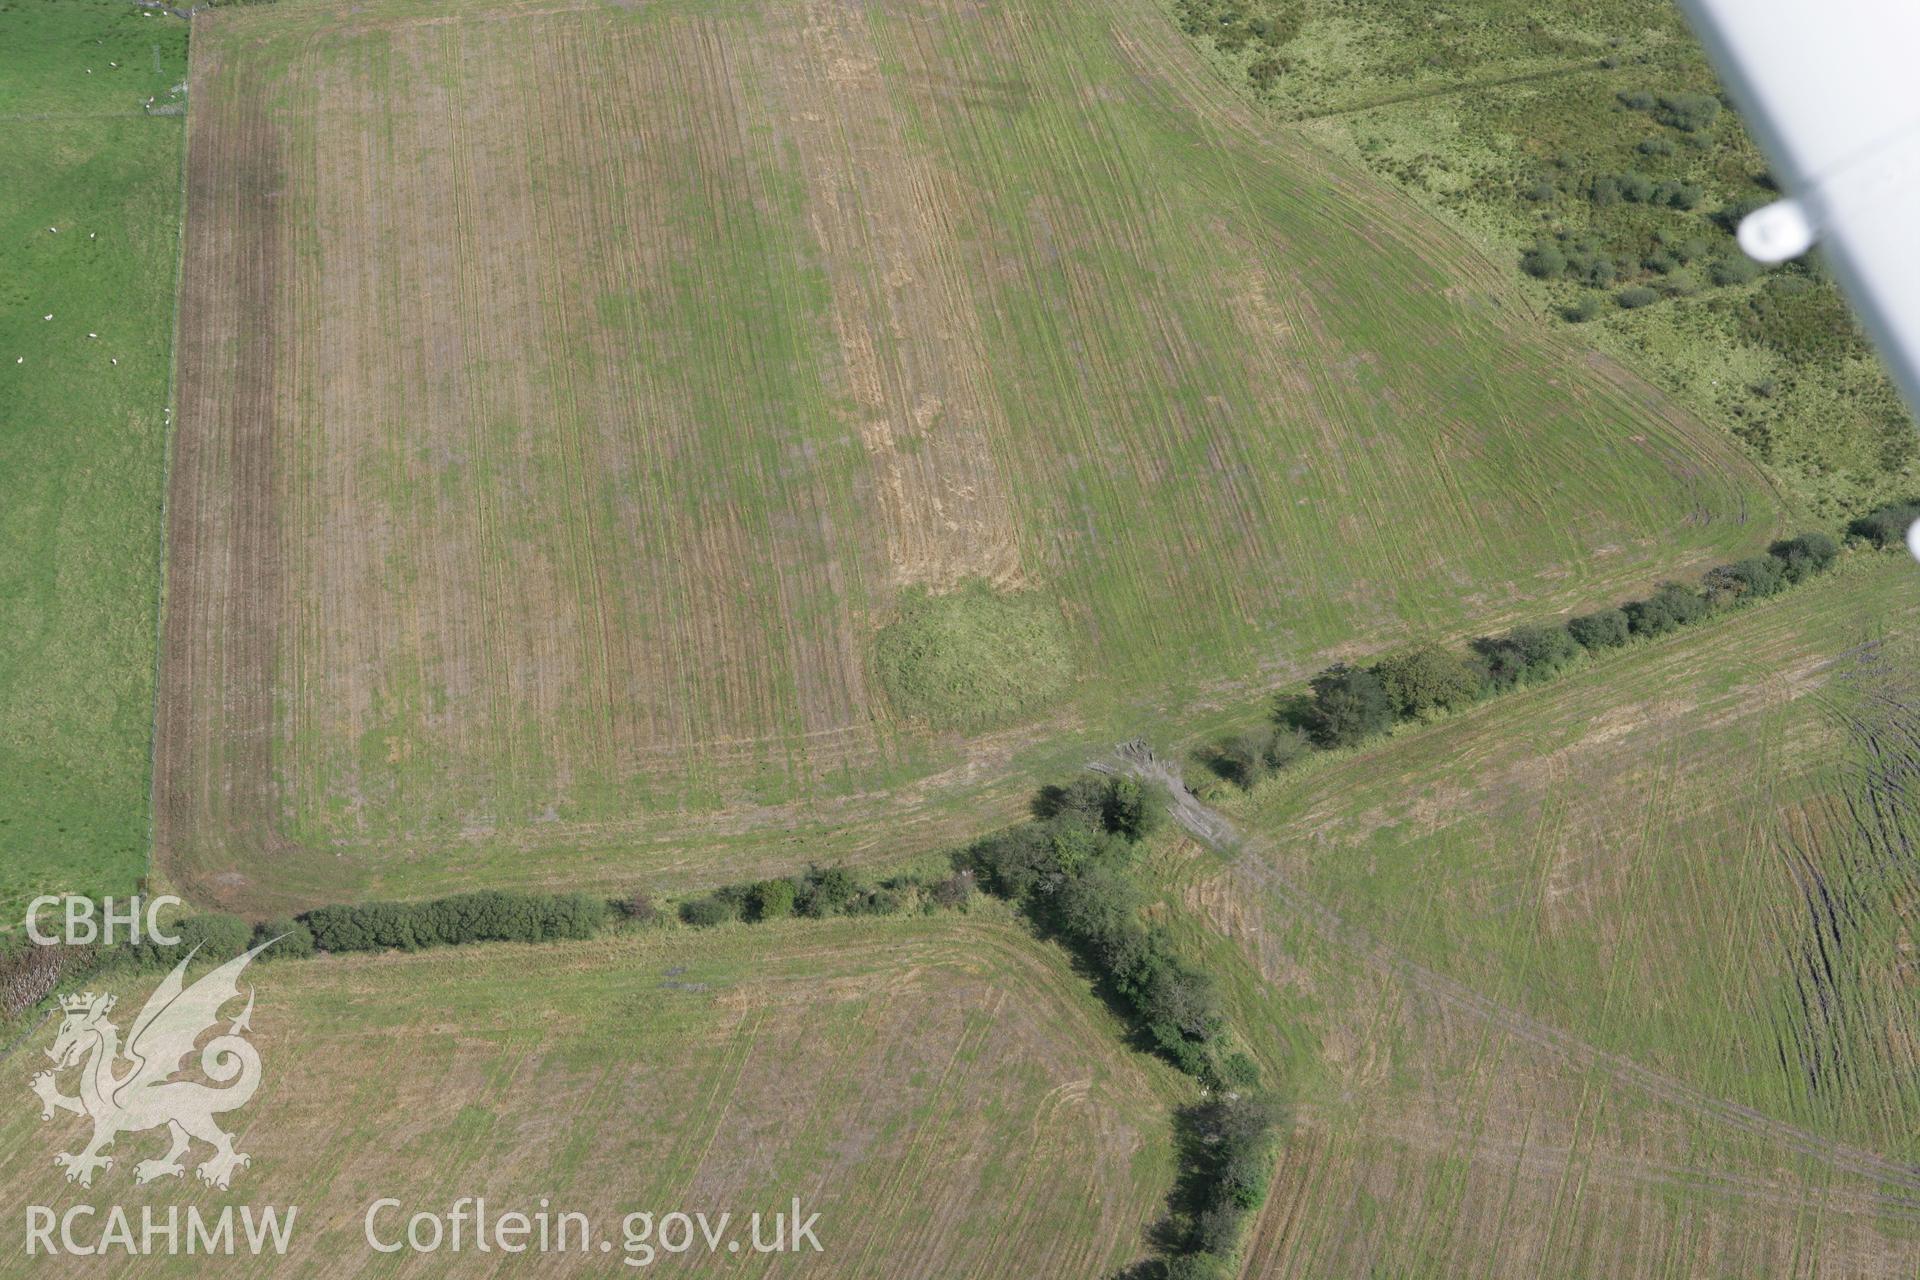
column 1133, row 811
column 1676, row 195
column 1234, row 25
column 1684, row 249
column 1238, row 1071
column 1241, row 758
column 640, row 908
column 1227, row 1155
column 1085, row 796
column 1754, row 577
column 1177, row 1001
column 773, row 899
column 1427, row 678
column 1199, row 1266
column 1544, row 262
column 1733, row 269
column 705, row 913
column 1635, row 298
column 213, row 935
column 1606, row 629
column 954, row 892
column 1265, row 72
column 294, row 939
column 1886, row 526
column 1097, row 908
column 1248, row 757
column 1285, row 745
column 882, row 901
column 1591, row 266
column 1637, row 99
column 1524, row 655
column 827, row 891
column 1582, row 311
column 1014, row 862
column 1531, row 653
column 1672, row 606
column 1349, row 704
column 1687, row 112
column 1803, row 556
column 1073, row 846
column 486, row 916
column 216, row 936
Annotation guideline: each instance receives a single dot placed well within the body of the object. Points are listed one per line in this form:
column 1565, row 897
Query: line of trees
column 1067, row 869
column 818, row 893
column 1227, row 1145
column 487, row 916
column 1348, row 703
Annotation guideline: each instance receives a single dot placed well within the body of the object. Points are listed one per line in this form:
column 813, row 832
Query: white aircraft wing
column 1831, row 89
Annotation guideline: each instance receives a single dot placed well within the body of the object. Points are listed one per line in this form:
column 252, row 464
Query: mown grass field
column 1615, row 976
column 945, row 1093
column 1498, row 114
column 571, row 394
column 81, row 438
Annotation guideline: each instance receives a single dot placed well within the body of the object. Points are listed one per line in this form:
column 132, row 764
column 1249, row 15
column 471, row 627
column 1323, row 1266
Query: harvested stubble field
column 570, row 392
column 944, row 1092
column 1615, row 976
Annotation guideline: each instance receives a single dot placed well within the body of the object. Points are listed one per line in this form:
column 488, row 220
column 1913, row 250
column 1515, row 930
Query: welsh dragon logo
column 130, row 1088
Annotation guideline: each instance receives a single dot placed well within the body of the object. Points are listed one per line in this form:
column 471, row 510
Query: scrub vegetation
column 1591, row 151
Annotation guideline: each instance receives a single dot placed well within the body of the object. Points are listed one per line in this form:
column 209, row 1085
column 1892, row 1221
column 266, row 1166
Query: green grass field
column 1630, row 851
column 537, row 519
column 945, row 1093
column 1612, row 976
column 1498, row 115
column 81, row 438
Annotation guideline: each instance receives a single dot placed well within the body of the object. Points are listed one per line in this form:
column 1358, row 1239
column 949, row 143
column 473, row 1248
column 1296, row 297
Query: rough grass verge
column 972, row 658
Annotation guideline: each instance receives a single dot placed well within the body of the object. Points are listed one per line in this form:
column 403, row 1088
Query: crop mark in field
column 224, row 570
column 912, row 354
column 1259, row 874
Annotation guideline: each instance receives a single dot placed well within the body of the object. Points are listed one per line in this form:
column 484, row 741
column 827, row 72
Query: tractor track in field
column 1218, row 832
column 1586, row 66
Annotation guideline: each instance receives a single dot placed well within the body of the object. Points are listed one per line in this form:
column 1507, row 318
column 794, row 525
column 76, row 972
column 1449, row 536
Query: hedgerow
column 486, row 916
column 1348, row 703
